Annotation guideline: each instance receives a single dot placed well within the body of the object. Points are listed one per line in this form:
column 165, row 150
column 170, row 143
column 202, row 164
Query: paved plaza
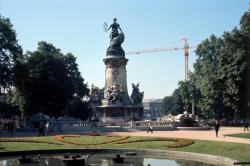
column 197, row 135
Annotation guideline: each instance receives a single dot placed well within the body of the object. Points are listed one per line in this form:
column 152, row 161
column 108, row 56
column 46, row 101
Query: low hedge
column 27, row 140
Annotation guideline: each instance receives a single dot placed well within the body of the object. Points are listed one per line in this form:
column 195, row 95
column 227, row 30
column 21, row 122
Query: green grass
column 241, row 135
column 232, row 150
column 236, row 151
column 19, row 146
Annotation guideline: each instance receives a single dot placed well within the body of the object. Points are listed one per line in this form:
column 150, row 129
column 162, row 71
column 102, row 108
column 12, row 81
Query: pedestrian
column 47, row 128
column 12, row 127
column 41, row 129
column 217, row 127
column 246, row 125
column 59, row 128
column 150, row 128
column 5, row 125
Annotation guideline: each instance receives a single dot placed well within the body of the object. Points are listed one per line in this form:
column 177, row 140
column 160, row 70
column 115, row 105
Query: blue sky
column 77, row 26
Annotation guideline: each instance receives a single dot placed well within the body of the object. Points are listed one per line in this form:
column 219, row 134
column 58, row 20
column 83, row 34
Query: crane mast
column 186, row 47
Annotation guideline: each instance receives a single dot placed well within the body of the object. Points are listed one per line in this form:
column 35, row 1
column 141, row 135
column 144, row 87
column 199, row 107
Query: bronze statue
column 116, row 38
column 136, row 96
column 114, row 93
column 96, row 95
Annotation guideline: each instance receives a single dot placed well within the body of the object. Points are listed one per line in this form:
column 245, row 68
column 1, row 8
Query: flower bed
column 178, row 143
column 181, row 143
column 94, row 133
column 61, row 138
column 28, row 140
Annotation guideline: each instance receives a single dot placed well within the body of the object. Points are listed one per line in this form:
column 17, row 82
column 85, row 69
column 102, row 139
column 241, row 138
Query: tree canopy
column 172, row 104
column 10, row 52
column 220, row 81
column 47, row 80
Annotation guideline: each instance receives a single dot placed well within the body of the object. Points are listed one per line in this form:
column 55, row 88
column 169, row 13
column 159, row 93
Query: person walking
column 246, row 125
column 150, row 128
column 217, row 127
column 41, row 128
column 47, row 128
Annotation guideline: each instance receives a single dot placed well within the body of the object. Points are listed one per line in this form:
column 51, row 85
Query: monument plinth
column 116, row 75
column 116, row 104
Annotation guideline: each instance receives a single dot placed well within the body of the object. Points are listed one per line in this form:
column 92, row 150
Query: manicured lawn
column 241, row 135
column 236, row 151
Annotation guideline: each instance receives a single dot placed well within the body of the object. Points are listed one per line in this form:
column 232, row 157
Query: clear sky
column 77, row 26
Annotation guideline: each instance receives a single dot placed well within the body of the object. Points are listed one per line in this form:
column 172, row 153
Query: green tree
column 177, row 102
column 220, row 72
column 74, row 75
column 167, row 105
column 184, row 87
column 78, row 108
column 245, row 31
column 232, row 71
column 8, row 111
column 172, row 104
column 10, row 52
column 189, row 93
column 48, row 81
column 206, row 76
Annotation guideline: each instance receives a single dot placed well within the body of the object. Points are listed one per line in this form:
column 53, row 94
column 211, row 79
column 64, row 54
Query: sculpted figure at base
column 96, row 95
column 136, row 96
column 114, row 93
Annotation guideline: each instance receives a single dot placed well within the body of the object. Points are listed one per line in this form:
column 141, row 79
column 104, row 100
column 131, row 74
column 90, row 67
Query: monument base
column 119, row 113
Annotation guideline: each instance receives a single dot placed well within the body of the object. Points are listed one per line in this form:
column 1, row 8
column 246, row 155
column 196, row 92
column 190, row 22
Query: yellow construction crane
column 185, row 48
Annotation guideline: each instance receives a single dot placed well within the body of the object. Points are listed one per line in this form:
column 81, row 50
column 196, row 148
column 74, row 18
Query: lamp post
column 156, row 114
column 192, row 102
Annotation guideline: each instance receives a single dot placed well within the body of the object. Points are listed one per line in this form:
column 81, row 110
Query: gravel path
column 197, row 135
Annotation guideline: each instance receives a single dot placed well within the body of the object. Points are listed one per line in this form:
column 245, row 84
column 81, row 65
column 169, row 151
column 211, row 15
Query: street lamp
column 192, row 102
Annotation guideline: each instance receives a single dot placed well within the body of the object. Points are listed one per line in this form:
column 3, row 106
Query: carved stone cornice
column 115, row 62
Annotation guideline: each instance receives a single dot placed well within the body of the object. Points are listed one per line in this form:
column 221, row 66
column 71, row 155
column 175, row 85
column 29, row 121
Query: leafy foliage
column 7, row 110
column 78, row 109
column 220, row 82
column 245, row 31
column 207, row 77
column 10, row 52
column 232, row 70
column 172, row 104
column 47, row 80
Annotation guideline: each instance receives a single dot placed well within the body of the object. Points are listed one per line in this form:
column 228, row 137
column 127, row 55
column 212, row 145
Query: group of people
column 9, row 124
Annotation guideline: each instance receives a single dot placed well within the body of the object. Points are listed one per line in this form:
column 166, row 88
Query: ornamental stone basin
column 103, row 157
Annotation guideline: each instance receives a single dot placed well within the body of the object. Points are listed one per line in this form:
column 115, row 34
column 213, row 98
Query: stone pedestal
column 117, row 113
column 115, row 73
column 121, row 110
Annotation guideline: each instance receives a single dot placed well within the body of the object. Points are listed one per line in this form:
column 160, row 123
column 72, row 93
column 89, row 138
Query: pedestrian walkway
column 196, row 135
